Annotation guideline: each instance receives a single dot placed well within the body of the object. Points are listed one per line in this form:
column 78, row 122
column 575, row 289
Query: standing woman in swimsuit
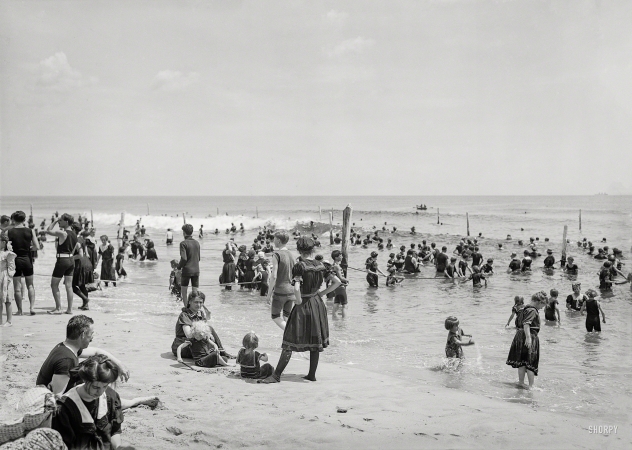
column 65, row 265
column 307, row 328
column 106, row 251
column 228, row 271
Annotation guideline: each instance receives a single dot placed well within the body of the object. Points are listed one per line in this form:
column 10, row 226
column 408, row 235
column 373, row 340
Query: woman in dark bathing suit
column 592, row 306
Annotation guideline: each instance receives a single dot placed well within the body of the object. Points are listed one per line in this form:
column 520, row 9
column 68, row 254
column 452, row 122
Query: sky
column 229, row 97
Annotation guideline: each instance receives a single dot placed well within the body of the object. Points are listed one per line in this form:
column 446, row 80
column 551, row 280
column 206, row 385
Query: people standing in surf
column 514, row 264
column 307, row 327
column 516, row 309
column 65, row 265
column 411, row 266
column 169, row 236
column 120, row 260
column 106, row 256
column 488, row 267
column 249, row 270
column 524, row 353
column 228, row 275
column 22, row 239
column 441, row 261
column 142, row 230
column 575, row 300
column 372, row 270
column 454, row 344
column 592, row 306
column 549, row 261
column 151, row 250
column 476, row 276
column 340, row 294
column 525, row 265
column 189, row 263
column 570, row 267
column 551, row 310
column 281, row 295
column 201, row 232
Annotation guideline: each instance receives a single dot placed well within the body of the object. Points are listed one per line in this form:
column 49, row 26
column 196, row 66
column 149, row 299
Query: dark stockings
column 314, row 355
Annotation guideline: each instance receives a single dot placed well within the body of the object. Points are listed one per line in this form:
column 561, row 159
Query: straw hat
column 35, row 406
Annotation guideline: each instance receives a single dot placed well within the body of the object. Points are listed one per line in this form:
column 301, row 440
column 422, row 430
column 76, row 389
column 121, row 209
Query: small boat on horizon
column 421, row 207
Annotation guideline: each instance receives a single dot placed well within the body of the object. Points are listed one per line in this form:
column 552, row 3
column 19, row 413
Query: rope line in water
column 415, row 278
column 160, row 285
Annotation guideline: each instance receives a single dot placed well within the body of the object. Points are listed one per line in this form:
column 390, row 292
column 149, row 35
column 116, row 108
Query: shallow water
column 400, row 330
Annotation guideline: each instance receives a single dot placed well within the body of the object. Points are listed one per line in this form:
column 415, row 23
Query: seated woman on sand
column 90, row 414
column 194, row 313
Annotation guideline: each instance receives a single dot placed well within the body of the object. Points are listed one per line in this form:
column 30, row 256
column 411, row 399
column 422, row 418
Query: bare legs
column 280, row 321
column 530, row 375
column 54, row 285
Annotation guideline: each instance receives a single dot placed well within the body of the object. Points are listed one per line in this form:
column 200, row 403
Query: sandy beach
column 216, row 408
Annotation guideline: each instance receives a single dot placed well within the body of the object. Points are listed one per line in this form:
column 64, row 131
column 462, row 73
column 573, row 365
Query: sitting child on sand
column 515, row 310
column 453, row 345
column 174, row 280
column 203, row 347
column 249, row 359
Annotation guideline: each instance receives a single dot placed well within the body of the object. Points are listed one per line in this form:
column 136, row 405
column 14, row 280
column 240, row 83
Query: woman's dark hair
column 305, row 244
column 67, row 218
column 18, row 216
column 335, row 254
column 77, row 325
column 98, row 368
column 76, row 226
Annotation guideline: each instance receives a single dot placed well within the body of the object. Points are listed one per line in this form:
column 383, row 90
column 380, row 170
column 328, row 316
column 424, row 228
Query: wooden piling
column 580, row 220
column 437, row 216
column 147, row 208
column 91, row 219
column 331, row 228
column 467, row 217
column 31, row 205
column 346, row 235
column 320, row 215
column 563, row 259
column 184, row 218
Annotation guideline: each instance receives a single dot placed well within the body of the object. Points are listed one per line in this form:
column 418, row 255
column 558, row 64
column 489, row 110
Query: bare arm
column 527, row 333
column 557, row 313
column 513, row 313
column 273, row 277
column 179, row 351
column 36, row 243
column 58, row 383
column 602, row 313
column 335, row 283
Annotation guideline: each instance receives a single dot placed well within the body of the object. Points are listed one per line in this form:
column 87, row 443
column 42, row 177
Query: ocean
column 397, row 330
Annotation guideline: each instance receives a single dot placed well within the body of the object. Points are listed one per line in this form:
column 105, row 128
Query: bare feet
column 55, row 312
column 6, row 325
column 269, row 380
column 68, row 312
column 19, row 313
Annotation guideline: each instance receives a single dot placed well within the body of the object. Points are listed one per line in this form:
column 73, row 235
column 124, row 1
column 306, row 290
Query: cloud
column 174, row 80
column 336, row 17
column 357, row 45
column 56, row 74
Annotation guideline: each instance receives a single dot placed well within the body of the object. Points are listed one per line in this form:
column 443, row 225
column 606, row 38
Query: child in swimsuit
column 249, row 359
column 488, row 268
column 551, row 311
column 391, row 279
column 516, row 309
column 476, row 277
column 174, row 280
column 203, row 347
column 453, row 345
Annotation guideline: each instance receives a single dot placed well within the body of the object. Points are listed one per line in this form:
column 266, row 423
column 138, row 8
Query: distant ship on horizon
column 602, row 193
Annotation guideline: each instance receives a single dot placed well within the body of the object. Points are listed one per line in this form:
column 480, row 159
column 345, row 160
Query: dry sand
column 216, row 408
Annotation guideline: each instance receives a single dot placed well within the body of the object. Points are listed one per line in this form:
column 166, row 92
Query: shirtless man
column 65, row 265
column 22, row 238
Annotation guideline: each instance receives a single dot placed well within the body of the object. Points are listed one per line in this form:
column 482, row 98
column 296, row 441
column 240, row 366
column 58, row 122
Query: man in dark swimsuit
column 441, row 262
column 22, row 238
column 65, row 265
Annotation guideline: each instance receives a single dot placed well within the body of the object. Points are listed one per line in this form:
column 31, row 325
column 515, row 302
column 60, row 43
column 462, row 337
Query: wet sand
column 216, row 408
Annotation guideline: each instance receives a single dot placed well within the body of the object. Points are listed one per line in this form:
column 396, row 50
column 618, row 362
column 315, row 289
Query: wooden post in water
column 31, row 205
column 121, row 226
column 184, row 218
column 467, row 217
column 437, row 216
column 331, row 228
column 346, row 234
column 320, row 215
column 147, row 208
column 563, row 259
column 580, row 220
column 91, row 219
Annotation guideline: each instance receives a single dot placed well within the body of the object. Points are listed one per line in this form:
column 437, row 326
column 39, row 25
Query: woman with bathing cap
column 372, row 270
column 307, row 328
column 524, row 353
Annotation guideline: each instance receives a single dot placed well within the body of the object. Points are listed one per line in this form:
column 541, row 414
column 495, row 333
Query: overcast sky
column 307, row 97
